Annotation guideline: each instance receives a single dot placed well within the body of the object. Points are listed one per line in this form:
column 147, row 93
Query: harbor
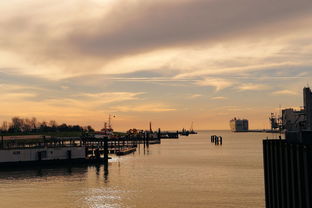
column 184, row 171
column 156, row 104
column 30, row 150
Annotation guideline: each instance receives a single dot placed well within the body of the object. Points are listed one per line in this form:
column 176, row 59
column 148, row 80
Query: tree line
column 31, row 125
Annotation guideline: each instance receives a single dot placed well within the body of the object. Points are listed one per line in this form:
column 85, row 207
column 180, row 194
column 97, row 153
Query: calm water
column 189, row 172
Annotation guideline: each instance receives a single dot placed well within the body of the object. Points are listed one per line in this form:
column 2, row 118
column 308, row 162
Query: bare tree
column 52, row 123
column 4, row 126
column 34, row 123
column 27, row 127
column 17, row 124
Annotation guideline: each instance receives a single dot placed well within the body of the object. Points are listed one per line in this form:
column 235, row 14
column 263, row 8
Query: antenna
column 109, row 121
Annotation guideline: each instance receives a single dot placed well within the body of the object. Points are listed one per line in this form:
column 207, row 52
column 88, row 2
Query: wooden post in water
column 115, row 145
column 159, row 136
column 147, row 140
column 105, row 150
column 118, row 144
column 97, row 153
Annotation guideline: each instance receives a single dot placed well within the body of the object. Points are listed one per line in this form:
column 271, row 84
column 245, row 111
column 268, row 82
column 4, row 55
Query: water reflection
column 189, row 172
column 51, row 171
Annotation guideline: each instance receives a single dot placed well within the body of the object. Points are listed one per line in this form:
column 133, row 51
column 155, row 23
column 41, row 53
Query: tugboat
column 192, row 130
column 184, row 132
column 107, row 131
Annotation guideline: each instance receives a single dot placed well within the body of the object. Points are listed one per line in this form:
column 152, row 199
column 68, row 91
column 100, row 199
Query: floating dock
column 125, row 151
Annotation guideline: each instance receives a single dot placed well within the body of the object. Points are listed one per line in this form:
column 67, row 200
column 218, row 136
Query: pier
column 288, row 162
column 40, row 149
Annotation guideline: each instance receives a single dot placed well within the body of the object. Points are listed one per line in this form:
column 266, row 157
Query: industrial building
column 288, row 163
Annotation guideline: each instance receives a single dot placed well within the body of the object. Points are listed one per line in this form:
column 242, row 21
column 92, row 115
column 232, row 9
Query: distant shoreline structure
column 242, row 125
column 239, row 125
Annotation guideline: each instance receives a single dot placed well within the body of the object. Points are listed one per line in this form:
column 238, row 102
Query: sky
column 169, row 62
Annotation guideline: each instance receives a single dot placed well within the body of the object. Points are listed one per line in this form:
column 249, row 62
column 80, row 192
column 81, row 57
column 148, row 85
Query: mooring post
column 147, row 140
column 97, row 154
column 44, row 141
column 2, row 142
column 105, row 150
column 115, row 145
column 159, row 135
column 119, row 143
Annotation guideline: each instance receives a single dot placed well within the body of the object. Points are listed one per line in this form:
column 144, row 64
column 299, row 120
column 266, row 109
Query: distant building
column 239, row 125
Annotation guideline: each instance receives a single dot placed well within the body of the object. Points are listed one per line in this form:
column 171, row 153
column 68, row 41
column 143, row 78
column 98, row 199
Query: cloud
column 285, row 92
column 63, row 39
column 95, row 101
column 137, row 29
column 16, row 97
column 195, row 96
column 252, row 87
column 83, row 58
column 218, row 98
column 109, row 97
column 143, row 108
column 218, row 83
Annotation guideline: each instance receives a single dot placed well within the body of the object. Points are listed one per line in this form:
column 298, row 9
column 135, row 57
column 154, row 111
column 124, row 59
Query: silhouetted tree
column 26, row 125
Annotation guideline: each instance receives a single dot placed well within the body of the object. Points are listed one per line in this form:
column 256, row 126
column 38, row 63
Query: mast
column 150, row 125
column 109, row 121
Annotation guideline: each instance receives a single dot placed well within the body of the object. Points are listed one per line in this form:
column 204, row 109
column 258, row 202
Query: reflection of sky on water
column 103, row 198
column 189, row 172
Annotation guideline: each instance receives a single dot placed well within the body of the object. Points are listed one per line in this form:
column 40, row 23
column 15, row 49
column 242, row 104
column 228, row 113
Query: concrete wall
column 288, row 174
column 17, row 155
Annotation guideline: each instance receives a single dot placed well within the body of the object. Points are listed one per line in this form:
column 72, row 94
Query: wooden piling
column 105, row 150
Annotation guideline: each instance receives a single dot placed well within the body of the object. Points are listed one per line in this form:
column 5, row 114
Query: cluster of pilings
column 217, row 140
